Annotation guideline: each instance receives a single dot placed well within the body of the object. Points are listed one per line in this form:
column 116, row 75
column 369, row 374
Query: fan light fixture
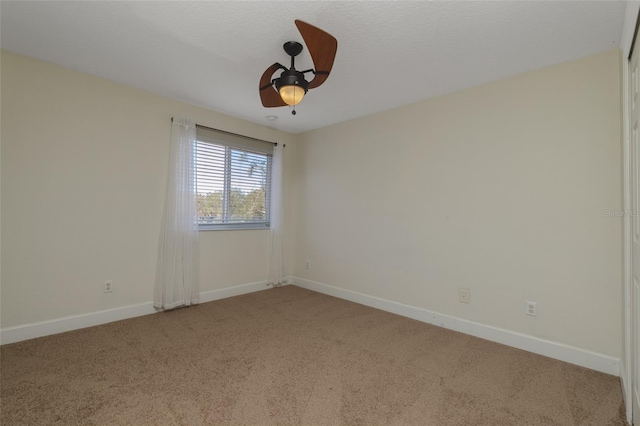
column 291, row 95
column 291, row 86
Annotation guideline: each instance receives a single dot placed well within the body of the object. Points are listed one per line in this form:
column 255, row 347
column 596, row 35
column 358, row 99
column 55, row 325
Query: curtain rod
column 233, row 134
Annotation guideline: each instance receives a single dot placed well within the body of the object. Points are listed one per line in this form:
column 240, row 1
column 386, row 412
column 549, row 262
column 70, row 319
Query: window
column 233, row 179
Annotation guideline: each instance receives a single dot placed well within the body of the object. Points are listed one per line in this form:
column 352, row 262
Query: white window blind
column 233, row 178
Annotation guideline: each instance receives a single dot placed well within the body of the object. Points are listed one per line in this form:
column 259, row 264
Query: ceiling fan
column 291, row 86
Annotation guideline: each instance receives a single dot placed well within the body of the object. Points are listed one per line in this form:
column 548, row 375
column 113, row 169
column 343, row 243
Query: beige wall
column 500, row 189
column 84, row 164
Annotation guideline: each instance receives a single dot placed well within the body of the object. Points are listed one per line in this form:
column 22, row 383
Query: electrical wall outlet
column 308, row 264
column 532, row 309
column 108, row 286
column 464, row 295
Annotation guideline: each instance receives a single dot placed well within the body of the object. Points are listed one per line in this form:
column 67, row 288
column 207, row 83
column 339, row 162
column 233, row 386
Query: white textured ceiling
column 390, row 54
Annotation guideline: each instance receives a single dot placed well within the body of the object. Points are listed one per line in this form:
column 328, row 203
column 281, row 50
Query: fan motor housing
column 292, row 77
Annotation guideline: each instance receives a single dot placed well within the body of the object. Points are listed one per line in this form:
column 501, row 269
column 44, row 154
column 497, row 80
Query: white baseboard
column 223, row 293
column 559, row 351
column 75, row 322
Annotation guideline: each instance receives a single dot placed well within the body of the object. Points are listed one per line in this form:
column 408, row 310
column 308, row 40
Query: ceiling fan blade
column 268, row 95
column 322, row 48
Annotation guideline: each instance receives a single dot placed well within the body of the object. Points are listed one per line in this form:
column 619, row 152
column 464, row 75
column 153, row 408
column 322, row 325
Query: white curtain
column 176, row 275
column 277, row 260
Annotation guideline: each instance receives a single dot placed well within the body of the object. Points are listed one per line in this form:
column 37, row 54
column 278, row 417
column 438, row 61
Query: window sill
column 234, row 227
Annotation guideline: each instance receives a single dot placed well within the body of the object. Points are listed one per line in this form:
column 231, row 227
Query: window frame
column 233, row 142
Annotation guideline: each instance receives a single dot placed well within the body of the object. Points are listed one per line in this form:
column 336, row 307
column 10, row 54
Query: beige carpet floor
column 291, row 356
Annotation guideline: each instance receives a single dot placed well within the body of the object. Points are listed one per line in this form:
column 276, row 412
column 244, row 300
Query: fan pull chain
column 294, row 94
